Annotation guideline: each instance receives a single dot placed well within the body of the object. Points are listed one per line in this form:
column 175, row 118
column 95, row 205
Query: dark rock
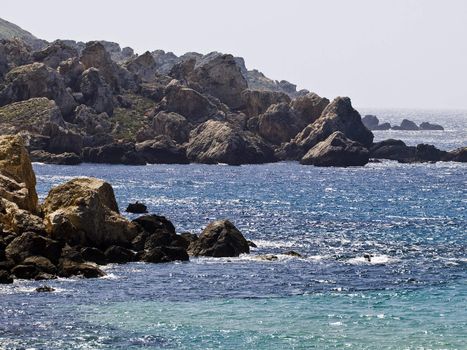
column 44, row 289
column 94, row 255
column 458, row 155
column 119, row 255
column 429, row 126
column 25, row 271
column 161, row 150
column 5, row 277
column 383, row 126
column 165, row 254
column 153, row 223
column 70, row 268
column 370, row 121
column 59, row 159
column 293, row 253
column 115, row 153
column 252, row 244
column 42, row 263
column 31, row 244
column 55, row 53
column 406, row 125
column 392, row 149
column 429, row 153
column 137, row 208
column 218, row 142
column 220, row 239
column 71, row 70
column 337, row 150
column 62, row 140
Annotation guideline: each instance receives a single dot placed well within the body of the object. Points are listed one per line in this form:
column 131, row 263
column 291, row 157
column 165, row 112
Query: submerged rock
column 45, row 289
column 220, row 239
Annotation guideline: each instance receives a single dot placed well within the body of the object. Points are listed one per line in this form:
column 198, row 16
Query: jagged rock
column 95, row 55
column 115, row 153
column 308, row 108
column 188, row 102
column 429, row 126
column 36, row 80
column 58, row 159
column 256, row 102
column 161, row 150
column 278, row 124
column 55, row 53
column 336, row 150
column 32, row 244
column 429, row 153
column 25, row 271
column 5, row 277
column 137, row 208
column 71, row 70
column 84, row 211
column 15, row 219
column 406, row 125
column 337, row 116
column 220, row 239
column 41, row 263
column 164, row 61
column 116, row 53
column 16, row 174
column 392, row 149
column 96, row 92
column 165, row 254
column 94, row 255
column 218, row 142
column 218, row 75
column 144, row 66
column 91, row 122
column 13, row 53
column 172, row 125
column 45, row 289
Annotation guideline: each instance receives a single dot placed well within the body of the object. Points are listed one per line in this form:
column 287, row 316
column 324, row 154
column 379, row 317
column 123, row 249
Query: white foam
column 374, row 260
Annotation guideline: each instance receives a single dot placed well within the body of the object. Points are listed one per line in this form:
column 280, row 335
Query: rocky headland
column 78, row 227
column 75, row 102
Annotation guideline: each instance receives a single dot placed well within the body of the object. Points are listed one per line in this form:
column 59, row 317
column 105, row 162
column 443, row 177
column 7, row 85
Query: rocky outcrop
column 457, row 155
column 219, row 239
column 58, row 159
column 84, row 211
column 17, row 178
column 36, row 80
column 91, row 122
column 392, row 149
column 55, row 53
column 337, row 116
column 172, row 125
column 308, row 108
column 144, row 66
column 406, row 125
column 114, row 153
column 161, row 150
column 219, row 142
column 97, row 94
column 337, row 150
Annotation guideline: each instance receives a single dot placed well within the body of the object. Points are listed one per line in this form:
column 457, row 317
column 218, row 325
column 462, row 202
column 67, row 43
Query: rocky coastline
column 78, row 227
column 94, row 102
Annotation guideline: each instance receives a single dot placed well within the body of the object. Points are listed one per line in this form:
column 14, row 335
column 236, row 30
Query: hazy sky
column 381, row 53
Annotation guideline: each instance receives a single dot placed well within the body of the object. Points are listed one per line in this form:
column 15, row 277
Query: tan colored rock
column 84, row 211
column 17, row 178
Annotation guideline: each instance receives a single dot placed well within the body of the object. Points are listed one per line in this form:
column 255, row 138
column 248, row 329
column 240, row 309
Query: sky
column 384, row 53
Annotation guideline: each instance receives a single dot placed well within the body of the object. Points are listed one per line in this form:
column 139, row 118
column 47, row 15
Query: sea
column 410, row 218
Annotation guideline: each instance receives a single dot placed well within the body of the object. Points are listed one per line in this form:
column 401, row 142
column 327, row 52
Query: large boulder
column 219, row 239
column 91, row 122
column 84, row 211
column 161, row 150
column 13, row 53
column 32, row 244
column 393, row 150
column 95, row 55
column 457, row 155
column 339, row 115
column 336, row 150
column 308, row 108
column 71, row 70
column 58, row 159
column 16, row 174
column 96, row 92
column 55, row 53
column 278, row 124
column 172, row 125
column 430, row 126
column 188, row 102
column 36, row 80
column 113, row 153
column 144, row 66
column 256, row 102
column 218, row 75
column 406, row 125
column 62, row 140
column 219, row 142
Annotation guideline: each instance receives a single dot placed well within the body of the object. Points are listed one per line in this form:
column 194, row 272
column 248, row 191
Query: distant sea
column 410, row 217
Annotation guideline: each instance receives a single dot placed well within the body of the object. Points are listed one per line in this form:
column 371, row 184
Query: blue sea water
column 412, row 295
